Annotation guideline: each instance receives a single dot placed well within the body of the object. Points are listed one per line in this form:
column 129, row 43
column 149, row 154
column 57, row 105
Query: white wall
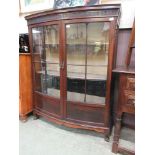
column 22, row 25
column 127, row 13
column 126, row 21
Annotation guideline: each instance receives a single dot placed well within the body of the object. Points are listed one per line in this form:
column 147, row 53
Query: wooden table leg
column 117, row 131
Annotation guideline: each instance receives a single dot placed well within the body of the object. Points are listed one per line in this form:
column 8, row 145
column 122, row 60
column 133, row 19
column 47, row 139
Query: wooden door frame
column 60, row 60
column 112, row 36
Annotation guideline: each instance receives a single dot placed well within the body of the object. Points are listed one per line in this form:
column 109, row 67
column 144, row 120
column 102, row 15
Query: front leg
column 106, row 138
column 23, row 118
column 35, row 116
column 117, row 131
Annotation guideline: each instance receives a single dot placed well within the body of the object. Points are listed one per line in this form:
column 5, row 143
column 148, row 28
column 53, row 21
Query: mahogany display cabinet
column 73, row 53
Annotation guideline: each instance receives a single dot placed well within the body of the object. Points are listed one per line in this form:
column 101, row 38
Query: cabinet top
column 73, row 9
column 75, row 12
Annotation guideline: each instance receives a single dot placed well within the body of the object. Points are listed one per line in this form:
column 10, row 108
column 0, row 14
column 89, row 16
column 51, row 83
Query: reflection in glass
column 75, row 83
column 76, row 47
column 75, row 72
column 46, row 43
column 87, row 60
column 47, row 79
column 98, row 43
column 95, row 91
column 38, row 37
column 75, row 89
column 97, row 61
column 76, row 43
column 46, row 60
column 97, row 72
column 51, row 43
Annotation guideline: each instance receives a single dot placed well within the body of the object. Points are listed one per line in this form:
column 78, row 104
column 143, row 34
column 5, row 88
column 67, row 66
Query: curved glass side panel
column 46, row 60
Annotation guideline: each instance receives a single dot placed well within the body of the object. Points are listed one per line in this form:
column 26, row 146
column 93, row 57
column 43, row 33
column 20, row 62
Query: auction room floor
column 39, row 137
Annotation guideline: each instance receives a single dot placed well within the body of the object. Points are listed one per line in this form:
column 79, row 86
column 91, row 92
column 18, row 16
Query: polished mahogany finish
column 25, row 85
column 72, row 53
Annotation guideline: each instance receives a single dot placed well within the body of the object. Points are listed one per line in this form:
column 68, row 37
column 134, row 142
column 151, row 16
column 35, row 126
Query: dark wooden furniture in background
column 72, row 53
column 25, row 85
column 126, row 95
column 126, row 104
column 122, row 48
column 131, row 46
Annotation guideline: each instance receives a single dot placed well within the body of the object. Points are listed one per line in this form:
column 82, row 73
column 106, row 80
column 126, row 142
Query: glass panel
column 97, row 72
column 76, row 72
column 87, row 60
column 75, row 90
column 38, row 42
column 46, row 43
column 76, row 43
column 97, row 61
column 46, row 60
column 98, row 43
column 75, row 83
column 38, row 36
column 47, row 79
column 96, row 84
column 51, row 43
column 76, row 50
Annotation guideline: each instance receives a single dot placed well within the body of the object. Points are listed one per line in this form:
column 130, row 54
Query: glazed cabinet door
column 46, row 68
column 86, row 56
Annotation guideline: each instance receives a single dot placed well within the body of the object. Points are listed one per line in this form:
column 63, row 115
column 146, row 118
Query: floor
column 39, row 137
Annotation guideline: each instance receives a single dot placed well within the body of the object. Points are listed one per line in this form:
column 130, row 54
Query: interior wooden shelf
column 76, row 75
column 78, row 97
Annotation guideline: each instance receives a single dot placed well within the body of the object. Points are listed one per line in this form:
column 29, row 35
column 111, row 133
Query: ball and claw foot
column 35, row 116
column 23, row 118
column 106, row 138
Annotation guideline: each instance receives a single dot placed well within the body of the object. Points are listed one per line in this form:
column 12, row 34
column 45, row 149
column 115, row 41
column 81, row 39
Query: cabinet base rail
column 103, row 130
